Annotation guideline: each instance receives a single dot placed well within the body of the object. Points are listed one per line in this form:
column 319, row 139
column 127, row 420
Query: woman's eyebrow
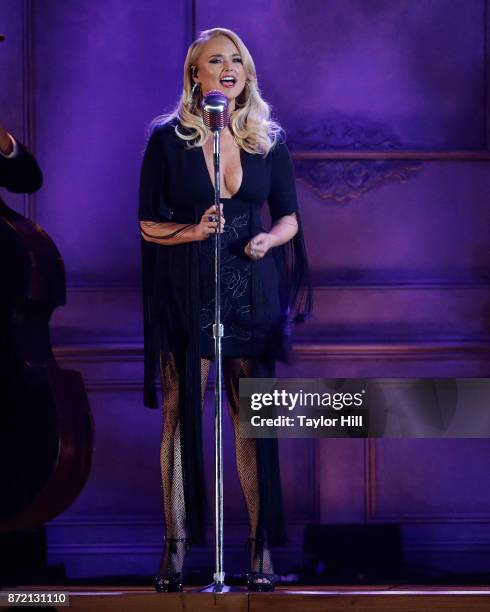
column 221, row 55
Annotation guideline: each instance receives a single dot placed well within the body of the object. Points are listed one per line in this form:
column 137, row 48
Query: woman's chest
column 190, row 178
column 231, row 169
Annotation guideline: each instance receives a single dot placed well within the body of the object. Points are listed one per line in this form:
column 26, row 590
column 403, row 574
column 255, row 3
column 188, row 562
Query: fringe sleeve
column 152, row 207
column 283, row 200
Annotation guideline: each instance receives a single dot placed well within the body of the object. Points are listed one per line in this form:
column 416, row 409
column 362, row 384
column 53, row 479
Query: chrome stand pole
column 218, row 585
column 215, row 115
column 219, row 574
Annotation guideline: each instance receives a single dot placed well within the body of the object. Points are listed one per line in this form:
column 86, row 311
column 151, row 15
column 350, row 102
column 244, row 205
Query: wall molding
column 137, row 520
column 334, row 283
column 373, row 515
column 328, row 349
column 486, row 74
column 28, row 113
column 426, row 518
column 342, row 175
column 119, row 368
column 115, row 524
column 156, row 549
column 398, row 154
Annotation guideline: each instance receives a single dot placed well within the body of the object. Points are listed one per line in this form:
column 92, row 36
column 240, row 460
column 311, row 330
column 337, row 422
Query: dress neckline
column 210, row 181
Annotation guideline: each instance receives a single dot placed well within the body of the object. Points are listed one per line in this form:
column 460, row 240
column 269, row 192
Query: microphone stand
column 215, row 113
column 219, row 574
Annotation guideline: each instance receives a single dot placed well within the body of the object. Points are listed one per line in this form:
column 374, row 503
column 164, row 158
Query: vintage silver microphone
column 215, row 114
column 215, row 110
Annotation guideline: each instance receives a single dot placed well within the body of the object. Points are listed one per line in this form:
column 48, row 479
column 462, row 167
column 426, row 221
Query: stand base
column 222, row 588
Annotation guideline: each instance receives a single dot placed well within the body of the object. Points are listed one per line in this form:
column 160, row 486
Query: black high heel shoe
column 260, row 582
column 171, row 582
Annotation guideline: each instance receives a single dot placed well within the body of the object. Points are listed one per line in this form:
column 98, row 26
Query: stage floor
column 375, row 598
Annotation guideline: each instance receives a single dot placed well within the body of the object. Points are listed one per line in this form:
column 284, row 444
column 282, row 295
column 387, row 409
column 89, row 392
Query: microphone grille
column 215, row 110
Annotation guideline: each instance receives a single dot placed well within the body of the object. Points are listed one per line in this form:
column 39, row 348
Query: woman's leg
column 246, row 459
column 171, row 468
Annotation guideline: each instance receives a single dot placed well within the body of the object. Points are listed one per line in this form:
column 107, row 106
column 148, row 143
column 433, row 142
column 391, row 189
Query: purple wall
column 120, row 66
column 394, row 62
column 399, row 247
column 13, row 66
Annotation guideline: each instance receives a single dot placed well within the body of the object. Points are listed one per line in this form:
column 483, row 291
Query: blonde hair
column 250, row 122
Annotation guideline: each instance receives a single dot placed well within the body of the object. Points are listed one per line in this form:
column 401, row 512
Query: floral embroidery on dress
column 236, row 273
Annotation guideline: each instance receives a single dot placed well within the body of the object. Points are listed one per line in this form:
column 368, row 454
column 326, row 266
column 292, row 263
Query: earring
column 194, row 91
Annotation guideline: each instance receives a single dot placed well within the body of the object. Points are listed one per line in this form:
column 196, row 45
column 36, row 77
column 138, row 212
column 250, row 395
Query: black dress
column 258, row 297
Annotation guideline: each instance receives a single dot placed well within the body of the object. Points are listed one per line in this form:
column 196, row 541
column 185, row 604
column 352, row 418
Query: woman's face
column 220, row 67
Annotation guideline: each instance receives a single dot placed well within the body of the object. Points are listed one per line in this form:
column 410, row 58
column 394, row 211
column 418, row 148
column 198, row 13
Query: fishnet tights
column 171, row 463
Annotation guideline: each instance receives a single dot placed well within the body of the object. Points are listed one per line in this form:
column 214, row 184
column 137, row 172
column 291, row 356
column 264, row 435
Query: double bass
column 47, row 438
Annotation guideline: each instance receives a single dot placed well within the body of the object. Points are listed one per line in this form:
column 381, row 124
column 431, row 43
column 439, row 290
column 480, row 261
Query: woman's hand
column 5, row 141
column 259, row 245
column 208, row 224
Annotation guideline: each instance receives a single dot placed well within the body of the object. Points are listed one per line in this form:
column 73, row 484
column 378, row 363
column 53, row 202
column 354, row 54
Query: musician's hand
column 259, row 245
column 209, row 224
column 6, row 145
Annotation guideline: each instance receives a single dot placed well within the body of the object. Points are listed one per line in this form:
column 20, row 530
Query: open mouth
column 228, row 81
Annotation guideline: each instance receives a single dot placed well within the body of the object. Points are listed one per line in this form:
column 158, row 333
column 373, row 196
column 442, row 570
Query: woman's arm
column 155, row 214
column 169, row 233
column 282, row 231
column 283, row 205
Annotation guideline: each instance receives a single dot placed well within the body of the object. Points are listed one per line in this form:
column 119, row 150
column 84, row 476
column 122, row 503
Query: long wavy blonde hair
column 250, row 122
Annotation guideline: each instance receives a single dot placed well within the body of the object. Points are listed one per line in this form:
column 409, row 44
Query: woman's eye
column 214, row 61
column 238, row 59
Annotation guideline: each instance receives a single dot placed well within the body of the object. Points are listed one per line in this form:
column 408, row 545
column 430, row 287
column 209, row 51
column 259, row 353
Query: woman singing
column 262, row 275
